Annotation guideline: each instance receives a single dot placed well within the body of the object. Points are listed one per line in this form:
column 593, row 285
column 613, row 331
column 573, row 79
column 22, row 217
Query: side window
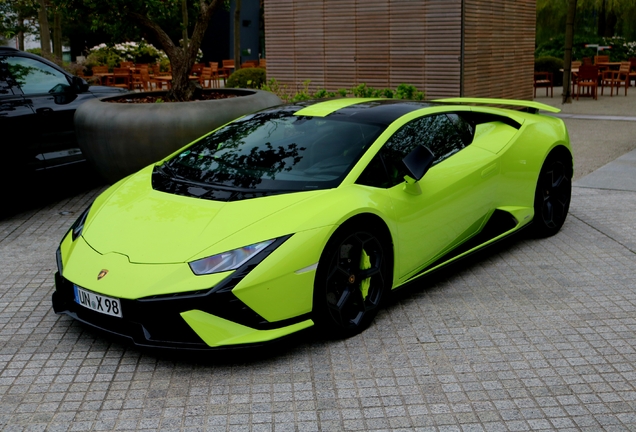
column 465, row 127
column 437, row 132
column 36, row 77
column 375, row 174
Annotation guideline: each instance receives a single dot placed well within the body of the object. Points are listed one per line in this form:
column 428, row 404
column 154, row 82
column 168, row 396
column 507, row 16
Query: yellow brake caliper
column 365, row 264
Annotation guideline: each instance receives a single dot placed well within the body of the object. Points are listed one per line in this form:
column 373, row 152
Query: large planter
column 121, row 138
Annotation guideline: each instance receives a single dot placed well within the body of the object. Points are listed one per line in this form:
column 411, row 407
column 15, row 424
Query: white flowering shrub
column 137, row 52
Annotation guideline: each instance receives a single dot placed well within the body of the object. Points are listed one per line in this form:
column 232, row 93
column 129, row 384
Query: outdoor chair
column 587, row 60
column 197, row 68
column 575, row 74
column 98, row 72
column 544, row 79
column 227, row 68
column 205, row 78
column 601, row 59
column 121, row 78
column 249, row 64
column 632, row 70
column 588, row 78
column 142, row 80
column 615, row 78
column 126, row 64
column 215, row 74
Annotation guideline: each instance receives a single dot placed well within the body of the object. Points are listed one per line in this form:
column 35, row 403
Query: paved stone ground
column 535, row 335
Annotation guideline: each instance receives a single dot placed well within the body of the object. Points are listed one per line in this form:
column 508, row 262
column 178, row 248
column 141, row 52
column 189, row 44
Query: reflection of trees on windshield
column 275, row 150
column 242, row 154
column 248, row 170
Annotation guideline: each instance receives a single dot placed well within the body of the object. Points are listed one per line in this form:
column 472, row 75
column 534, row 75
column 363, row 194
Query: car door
column 53, row 101
column 19, row 145
column 453, row 199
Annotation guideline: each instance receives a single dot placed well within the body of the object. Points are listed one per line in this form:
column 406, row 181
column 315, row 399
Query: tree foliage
column 156, row 20
column 15, row 18
column 601, row 18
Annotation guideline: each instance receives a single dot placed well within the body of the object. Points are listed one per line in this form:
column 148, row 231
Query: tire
column 553, row 194
column 352, row 280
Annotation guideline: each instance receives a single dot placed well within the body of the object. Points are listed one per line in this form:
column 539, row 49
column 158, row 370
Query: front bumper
column 195, row 321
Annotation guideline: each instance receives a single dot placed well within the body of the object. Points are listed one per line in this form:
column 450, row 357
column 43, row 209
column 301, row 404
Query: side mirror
column 417, row 163
column 79, row 84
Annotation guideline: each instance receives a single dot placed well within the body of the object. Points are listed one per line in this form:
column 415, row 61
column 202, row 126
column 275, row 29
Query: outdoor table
column 102, row 75
column 608, row 65
column 168, row 79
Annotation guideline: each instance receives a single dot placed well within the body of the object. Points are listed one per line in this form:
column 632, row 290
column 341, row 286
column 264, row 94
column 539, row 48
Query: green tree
column 593, row 18
column 124, row 19
column 15, row 19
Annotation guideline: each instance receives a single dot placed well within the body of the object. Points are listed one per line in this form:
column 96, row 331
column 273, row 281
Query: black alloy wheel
column 553, row 194
column 351, row 282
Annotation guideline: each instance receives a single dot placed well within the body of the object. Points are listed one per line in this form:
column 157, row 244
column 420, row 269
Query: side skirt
column 500, row 225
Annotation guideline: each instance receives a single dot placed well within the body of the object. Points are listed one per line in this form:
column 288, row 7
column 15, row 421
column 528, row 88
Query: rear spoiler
column 534, row 107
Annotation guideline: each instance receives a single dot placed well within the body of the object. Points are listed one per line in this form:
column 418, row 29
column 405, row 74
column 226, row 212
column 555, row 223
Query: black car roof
column 378, row 111
column 383, row 111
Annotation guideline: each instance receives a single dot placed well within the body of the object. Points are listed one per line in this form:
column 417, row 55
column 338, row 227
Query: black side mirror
column 418, row 161
column 79, row 84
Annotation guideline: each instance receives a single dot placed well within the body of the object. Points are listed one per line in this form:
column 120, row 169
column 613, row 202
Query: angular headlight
column 78, row 226
column 227, row 260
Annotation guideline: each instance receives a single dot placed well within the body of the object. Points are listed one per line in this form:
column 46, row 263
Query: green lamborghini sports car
column 309, row 214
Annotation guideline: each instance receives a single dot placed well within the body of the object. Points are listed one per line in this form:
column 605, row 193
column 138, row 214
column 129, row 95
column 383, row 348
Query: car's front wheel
column 351, row 281
column 553, row 193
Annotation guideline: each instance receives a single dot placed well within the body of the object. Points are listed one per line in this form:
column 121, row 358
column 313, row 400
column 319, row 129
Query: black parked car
column 37, row 102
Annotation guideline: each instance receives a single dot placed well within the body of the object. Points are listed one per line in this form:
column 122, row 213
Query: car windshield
column 274, row 151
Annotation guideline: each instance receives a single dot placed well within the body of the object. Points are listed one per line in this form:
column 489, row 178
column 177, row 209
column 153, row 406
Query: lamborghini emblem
column 102, row 273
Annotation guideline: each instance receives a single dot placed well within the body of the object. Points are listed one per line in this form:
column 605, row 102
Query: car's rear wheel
column 351, row 281
column 553, row 193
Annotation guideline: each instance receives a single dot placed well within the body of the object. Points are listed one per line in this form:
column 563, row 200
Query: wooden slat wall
column 442, row 54
column 372, row 43
column 309, row 41
column 407, row 43
column 499, row 48
column 341, row 43
column 280, row 35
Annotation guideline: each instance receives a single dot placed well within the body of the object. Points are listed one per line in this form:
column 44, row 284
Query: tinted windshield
column 276, row 151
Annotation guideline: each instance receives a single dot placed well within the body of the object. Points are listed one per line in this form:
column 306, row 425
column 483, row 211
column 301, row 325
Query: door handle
column 44, row 110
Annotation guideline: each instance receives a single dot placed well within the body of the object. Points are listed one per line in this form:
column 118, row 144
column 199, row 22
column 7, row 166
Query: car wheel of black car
column 351, row 281
column 553, row 193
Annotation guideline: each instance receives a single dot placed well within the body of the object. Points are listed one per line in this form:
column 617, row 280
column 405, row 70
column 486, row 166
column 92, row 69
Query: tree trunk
column 57, row 35
column 184, row 14
column 45, row 31
column 610, row 24
column 20, row 35
column 182, row 88
column 567, row 61
column 181, row 60
column 237, row 35
column 602, row 14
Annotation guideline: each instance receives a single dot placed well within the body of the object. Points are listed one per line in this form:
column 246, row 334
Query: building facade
column 476, row 48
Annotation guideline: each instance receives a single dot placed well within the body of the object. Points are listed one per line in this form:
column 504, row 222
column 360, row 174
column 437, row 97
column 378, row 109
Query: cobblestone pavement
column 535, row 335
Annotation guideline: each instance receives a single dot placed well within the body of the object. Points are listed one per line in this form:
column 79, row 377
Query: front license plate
column 97, row 302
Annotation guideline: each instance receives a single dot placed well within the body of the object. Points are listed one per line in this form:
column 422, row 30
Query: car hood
column 149, row 226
